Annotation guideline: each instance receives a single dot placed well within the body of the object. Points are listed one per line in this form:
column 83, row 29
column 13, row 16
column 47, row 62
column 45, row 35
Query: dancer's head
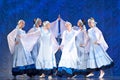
column 38, row 22
column 68, row 25
column 91, row 22
column 21, row 23
column 81, row 23
column 46, row 24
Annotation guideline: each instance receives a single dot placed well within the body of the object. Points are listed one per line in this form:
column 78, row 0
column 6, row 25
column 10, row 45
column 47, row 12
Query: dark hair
column 83, row 21
column 34, row 20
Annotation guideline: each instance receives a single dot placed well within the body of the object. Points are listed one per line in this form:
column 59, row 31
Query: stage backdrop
column 105, row 12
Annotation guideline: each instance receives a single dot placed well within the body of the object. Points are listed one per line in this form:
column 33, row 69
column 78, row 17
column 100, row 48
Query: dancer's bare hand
column 82, row 45
column 16, row 43
column 95, row 42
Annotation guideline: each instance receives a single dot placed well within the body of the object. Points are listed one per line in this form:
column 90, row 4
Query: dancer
column 45, row 61
column 36, row 27
column 69, row 58
column 22, row 60
column 81, row 44
column 98, row 58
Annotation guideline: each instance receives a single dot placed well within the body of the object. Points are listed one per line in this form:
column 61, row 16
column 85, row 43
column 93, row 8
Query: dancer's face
column 79, row 24
column 21, row 24
column 68, row 26
column 39, row 22
column 48, row 26
column 91, row 24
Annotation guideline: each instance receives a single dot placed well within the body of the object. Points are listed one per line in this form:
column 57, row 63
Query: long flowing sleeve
column 54, row 28
column 31, row 30
column 29, row 40
column 86, row 41
column 75, row 28
column 63, row 40
column 55, row 45
column 11, row 40
column 100, row 39
column 62, row 26
column 70, row 43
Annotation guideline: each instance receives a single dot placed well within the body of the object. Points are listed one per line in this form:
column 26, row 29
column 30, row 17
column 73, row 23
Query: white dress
column 81, row 39
column 69, row 58
column 46, row 57
column 35, row 49
column 98, row 57
column 22, row 60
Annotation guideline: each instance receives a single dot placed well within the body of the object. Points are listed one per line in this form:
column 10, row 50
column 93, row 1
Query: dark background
column 105, row 12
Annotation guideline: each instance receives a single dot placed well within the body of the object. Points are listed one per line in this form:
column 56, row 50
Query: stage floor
column 60, row 79
column 5, row 74
column 79, row 77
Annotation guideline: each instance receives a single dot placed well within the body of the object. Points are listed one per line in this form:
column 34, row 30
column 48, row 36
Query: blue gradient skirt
column 28, row 69
column 46, row 71
column 69, row 72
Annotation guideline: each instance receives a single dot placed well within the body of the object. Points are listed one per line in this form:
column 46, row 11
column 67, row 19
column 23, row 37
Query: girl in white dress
column 35, row 50
column 69, row 58
column 22, row 60
column 36, row 27
column 45, row 62
column 98, row 58
column 82, row 45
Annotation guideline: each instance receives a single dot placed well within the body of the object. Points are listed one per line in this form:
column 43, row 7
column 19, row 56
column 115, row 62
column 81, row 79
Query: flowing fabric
column 34, row 29
column 11, row 40
column 75, row 27
column 48, row 48
column 35, row 49
column 100, row 38
column 22, row 60
column 30, row 39
column 62, row 26
column 57, row 28
column 54, row 27
column 82, row 51
column 69, row 58
column 98, row 57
